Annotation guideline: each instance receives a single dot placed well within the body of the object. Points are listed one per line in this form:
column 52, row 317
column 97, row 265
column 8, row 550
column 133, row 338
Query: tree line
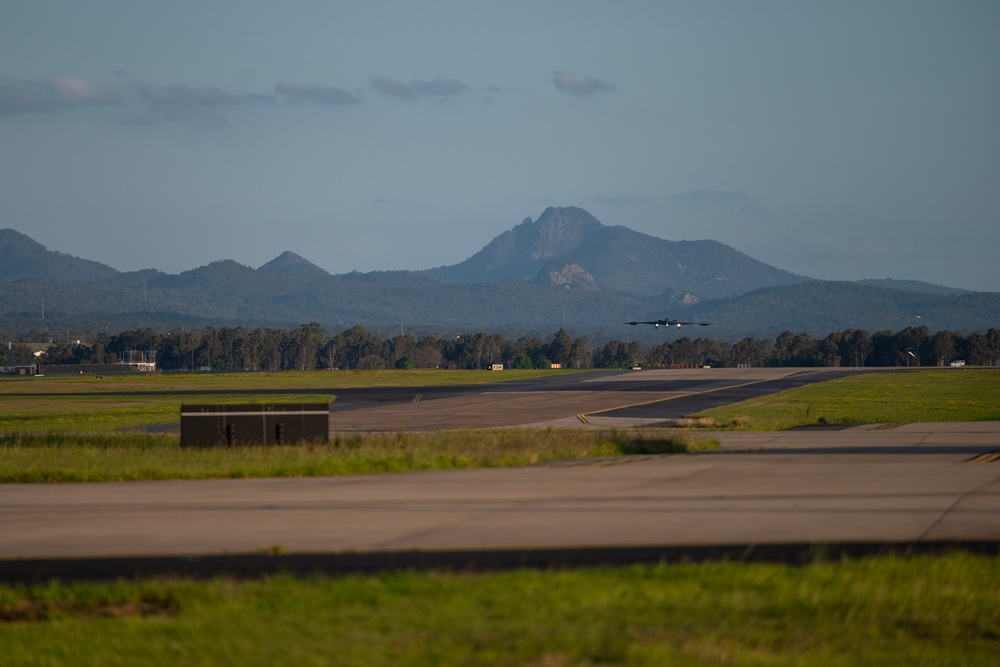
column 309, row 347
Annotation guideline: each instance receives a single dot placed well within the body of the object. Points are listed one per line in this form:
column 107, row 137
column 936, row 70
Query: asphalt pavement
column 781, row 495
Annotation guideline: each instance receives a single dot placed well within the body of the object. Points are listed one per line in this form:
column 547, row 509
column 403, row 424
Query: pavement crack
column 951, row 508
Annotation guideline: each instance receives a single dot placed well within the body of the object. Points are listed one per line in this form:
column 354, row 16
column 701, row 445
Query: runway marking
column 886, row 427
column 583, row 418
column 633, row 405
column 671, row 398
column 416, row 398
column 988, row 457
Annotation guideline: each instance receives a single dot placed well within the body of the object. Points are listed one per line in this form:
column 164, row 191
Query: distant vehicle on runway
column 670, row 323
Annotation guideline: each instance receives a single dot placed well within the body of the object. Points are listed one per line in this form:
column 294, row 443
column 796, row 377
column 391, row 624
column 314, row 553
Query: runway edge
column 248, row 566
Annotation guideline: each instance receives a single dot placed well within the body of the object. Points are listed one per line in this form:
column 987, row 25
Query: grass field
column 878, row 611
column 74, row 428
column 130, row 457
column 86, row 404
column 881, row 611
column 904, row 397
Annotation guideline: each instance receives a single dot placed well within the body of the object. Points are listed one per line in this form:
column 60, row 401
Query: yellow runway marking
column 988, row 457
column 583, row 417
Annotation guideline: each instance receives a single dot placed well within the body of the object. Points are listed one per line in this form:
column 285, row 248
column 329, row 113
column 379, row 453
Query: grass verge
column 916, row 396
column 879, row 611
column 141, row 456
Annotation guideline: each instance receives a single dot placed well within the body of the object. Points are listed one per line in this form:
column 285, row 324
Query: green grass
column 880, row 611
column 79, row 429
column 903, row 397
column 72, row 429
column 141, row 382
column 141, row 456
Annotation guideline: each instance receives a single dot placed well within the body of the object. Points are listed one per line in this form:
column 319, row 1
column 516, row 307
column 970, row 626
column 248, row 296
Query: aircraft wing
column 670, row 323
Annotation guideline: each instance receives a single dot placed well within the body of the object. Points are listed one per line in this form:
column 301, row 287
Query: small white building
column 141, row 366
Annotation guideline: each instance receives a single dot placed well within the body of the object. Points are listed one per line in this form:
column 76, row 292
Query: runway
column 784, row 493
column 600, row 399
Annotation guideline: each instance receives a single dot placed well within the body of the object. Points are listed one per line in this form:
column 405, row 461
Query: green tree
column 427, row 353
column 209, row 351
column 580, row 355
column 304, row 345
column 856, row 347
column 522, row 361
column 747, row 352
column 783, row 348
column 942, row 347
column 560, row 348
column 608, row 354
column 885, row 348
column 355, row 344
column 479, row 351
column 401, row 348
column 912, row 345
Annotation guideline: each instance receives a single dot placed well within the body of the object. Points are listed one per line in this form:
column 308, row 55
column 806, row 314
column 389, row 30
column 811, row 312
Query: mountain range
column 564, row 269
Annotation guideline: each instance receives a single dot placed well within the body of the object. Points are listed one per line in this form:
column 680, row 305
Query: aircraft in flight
column 670, row 323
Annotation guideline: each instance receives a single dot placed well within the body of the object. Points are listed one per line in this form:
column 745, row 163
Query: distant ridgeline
column 565, row 269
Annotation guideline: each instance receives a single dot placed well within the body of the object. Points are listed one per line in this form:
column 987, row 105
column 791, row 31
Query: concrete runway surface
column 911, row 485
column 603, row 399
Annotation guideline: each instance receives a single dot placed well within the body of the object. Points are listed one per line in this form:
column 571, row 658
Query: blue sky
column 840, row 140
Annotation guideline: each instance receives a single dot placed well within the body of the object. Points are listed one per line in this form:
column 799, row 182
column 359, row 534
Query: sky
column 838, row 140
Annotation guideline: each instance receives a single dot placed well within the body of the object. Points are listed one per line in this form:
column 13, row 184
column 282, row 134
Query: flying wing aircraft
column 670, row 323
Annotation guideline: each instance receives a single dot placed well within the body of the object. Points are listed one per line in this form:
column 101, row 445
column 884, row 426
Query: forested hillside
column 565, row 269
column 819, row 306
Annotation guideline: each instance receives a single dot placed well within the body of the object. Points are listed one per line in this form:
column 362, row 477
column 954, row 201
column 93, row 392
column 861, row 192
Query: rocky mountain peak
column 569, row 275
column 557, row 231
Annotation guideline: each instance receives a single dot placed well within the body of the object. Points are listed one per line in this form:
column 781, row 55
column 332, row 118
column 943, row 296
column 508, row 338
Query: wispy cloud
column 415, row 88
column 137, row 103
column 52, row 93
column 144, row 104
column 567, row 82
column 302, row 92
column 187, row 95
column 186, row 103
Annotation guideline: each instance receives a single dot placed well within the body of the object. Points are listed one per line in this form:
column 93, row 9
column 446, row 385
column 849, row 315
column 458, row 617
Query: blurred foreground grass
column 877, row 611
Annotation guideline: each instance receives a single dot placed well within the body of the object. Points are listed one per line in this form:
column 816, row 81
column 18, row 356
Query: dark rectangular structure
column 269, row 424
